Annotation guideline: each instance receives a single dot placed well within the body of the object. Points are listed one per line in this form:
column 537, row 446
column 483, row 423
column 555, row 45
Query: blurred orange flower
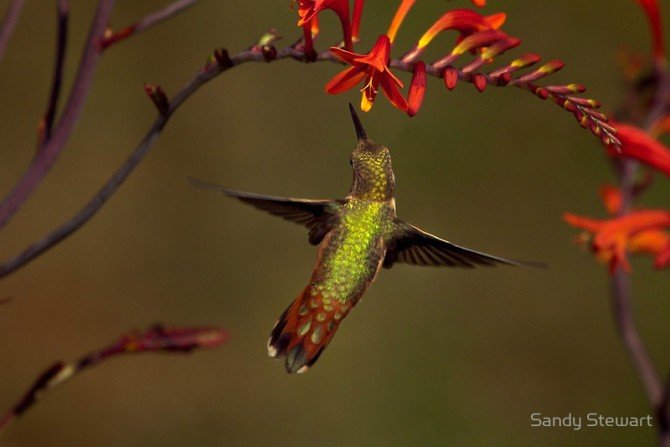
column 638, row 144
column 637, row 232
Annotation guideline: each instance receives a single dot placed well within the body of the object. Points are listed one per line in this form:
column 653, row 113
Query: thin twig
column 155, row 339
column 147, row 22
column 47, row 156
column 75, row 104
column 9, row 23
column 46, row 124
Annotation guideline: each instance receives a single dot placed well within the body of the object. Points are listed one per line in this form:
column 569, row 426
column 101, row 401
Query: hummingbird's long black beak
column 360, row 132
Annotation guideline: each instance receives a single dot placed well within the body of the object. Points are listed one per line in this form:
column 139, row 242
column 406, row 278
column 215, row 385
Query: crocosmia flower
column 308, row 10
column 371, row 68
column 638, row 144
column 641, row 231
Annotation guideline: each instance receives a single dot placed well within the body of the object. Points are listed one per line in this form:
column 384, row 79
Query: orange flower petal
column 611, row 197
column 393, row 93
column 592, row 225
column 638, row 144
column 496, row 20
column 345, row 80
column 650, row 241
column 463, row 20
column 345, row 56
column 398, row 18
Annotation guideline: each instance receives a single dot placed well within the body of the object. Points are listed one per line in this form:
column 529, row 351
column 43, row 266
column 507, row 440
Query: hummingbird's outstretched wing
column 319, row 216
column 417, row 247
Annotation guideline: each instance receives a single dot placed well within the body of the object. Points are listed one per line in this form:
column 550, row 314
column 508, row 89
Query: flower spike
column 464, row 21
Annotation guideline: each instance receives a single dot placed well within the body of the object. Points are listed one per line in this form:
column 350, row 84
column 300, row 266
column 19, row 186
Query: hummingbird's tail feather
column 304, row 330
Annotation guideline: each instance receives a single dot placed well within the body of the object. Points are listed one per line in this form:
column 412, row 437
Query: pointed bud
column 586, row 102
column 504, row 79
column 525, row 61
column 269, row 53
column 417, row 89
column 450, row 77
column 158, row 97
column 566, row 89
column 541, row 93
column 545, row 70
column 223, row 58
column 480, row 82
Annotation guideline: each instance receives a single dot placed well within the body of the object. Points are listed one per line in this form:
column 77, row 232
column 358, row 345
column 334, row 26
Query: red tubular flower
column 417, row 89
column 356, row 19
column 308, row 10
column 398, row 18
column 653, row 13
column 373, row 69
column 464, row 21
column 636, row 232
column 638, row 144
column 479, row 3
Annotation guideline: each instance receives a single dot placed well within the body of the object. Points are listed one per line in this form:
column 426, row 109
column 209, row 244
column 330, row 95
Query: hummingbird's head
column 371, row 162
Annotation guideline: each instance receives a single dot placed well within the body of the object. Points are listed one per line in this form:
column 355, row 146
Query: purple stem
column 655, row 389
column 75, row 104
column 57, row 79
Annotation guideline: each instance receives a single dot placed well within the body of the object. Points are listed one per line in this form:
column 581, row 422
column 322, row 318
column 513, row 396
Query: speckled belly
column 351, row 254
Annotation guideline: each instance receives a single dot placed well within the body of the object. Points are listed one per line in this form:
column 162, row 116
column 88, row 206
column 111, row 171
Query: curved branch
column 9, row 23
column 109, row 188
column 52, row 148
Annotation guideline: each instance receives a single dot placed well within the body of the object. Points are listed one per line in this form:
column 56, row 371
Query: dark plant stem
column 9, row 23
column 46, row 124
column 55, row 144
column 655, row 389
column 75, row 104
column 154, row 339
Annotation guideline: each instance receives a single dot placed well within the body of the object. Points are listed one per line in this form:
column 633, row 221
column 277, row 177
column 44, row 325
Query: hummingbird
column 356, row 237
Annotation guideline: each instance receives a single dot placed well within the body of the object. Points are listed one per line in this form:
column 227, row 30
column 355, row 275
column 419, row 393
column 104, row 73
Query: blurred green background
column 431, row 356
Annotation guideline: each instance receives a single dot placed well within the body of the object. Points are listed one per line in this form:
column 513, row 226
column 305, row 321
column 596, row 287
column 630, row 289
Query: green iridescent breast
column 354, row 250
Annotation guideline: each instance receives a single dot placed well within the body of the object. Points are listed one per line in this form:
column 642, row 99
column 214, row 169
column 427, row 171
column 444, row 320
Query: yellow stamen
column 366, row 104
